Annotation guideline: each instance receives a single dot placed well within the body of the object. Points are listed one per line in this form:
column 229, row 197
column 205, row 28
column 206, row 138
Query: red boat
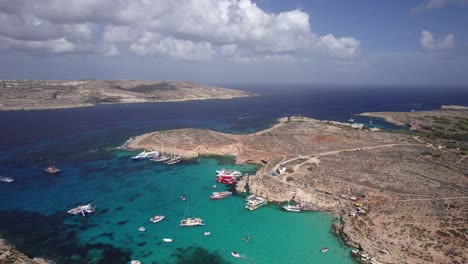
column 226, row 180
column 220, row 195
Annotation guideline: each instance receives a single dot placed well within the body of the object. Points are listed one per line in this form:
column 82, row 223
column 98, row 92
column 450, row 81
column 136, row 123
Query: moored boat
column 324, row 249
column 220, row 195
column 142, row 229
column 161, row 158
column 191, row 221
column 207, row 234
column 167, row 240
column 157, row 218
column 226, row 172
column 292, row 208
column 229, row 180
column 145, row 155
column 82, row 209
column 6, row 179
column 173, row 160
column 52, row 169
column 254, row 202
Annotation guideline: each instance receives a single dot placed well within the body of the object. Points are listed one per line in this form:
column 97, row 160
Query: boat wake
column 243, row 257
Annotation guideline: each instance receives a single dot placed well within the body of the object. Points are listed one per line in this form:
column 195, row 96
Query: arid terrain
column 413, row 196
column 55, row 94
column 9, row 255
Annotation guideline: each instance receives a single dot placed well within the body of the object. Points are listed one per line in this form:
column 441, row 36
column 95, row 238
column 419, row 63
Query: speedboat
column 82, row 209
column 157, row 218
column 167, row 240
column 214, row 186
column 235, row 254
column 182, row 198
column 324, row 249
column 135, row 262
column 145, row 155
column 225, row 172
column 142, row 229
column 6, row 179
column 220, row 195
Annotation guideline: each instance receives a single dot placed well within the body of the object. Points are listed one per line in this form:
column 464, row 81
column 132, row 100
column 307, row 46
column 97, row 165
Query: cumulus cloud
column 428, row 42
column 194, row 30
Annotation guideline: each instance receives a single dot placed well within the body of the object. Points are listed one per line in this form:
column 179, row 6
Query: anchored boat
column 157, row 218
column 191, row 221
column 82, row 209
column 146, row 155
column 220, row 195
column 254, row 202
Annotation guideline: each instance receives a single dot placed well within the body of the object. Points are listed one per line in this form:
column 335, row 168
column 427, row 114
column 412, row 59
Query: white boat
column 82, row 209
column 292, row 208
column 191, row 221
column 145, row 155
column 324, row 249
column 351, row 119
column 6, row 179
column 207, row 234
column 157, row 218
column 254, row 202
column 173, row 160
column 220, row 195
column 161, row 158
column 142, row 229
column 135, row 262
column 235, row 254
column 226, row 172
column 167, row 240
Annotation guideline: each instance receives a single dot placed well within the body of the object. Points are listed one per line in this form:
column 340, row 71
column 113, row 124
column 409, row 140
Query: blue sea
column 83, row 143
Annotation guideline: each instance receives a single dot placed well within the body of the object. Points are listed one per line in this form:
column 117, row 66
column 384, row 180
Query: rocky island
column 56, row 94
column 411, row 193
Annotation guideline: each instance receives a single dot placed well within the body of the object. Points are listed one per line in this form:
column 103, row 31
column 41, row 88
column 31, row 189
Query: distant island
column 57, row 94
column 401, row 195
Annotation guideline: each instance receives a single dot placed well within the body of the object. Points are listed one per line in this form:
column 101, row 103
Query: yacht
column 157, row 218
column 52, row 169
column 173, row 160
column 254, row 202
column 145, row 155
column 82, row 209
column 6, row 179
column 226, row 172
column 292, row 208
column 220, row 195
column 161, row 158
column 191, row 221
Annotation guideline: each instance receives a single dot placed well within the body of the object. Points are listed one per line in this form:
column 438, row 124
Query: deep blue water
column 83, row 140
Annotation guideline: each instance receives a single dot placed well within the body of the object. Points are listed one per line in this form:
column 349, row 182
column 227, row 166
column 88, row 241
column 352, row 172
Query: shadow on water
column 197, row 255
column 38, row 235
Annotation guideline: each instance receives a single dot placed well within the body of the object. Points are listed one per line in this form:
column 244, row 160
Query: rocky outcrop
column 9, row 255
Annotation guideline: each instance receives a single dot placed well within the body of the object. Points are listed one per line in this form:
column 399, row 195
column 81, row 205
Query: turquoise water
column 127, row 193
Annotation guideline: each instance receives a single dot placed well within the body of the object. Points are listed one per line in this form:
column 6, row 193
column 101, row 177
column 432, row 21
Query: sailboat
column 351, row 119
column 191, row 221
column 174, row 159
column 52, row 169
column 162, row 157
column 370, row 121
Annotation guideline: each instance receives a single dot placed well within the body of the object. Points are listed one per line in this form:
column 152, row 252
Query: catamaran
column 254, row 202
column 6, row 179
column 145, row 155
column 82, row 209
column 191, row 221
column 220, row 195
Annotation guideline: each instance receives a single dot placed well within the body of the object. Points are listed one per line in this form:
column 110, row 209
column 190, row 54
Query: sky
column 326, row 42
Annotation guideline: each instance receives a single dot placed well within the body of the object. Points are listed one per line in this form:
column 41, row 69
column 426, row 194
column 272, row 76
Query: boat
column 82, row 209
column 173, row 160
column 292, row 208
column 214, row 186
column 235, row 254
column 351, row 119
column 52, row 169
column 145, row 155
column 157, row 218
column 229, row 180
column 191, row 221
column 161, row 158
column 226, row 172
column 168, row 240
column 182, row 198
column 207, row 234
column 135, row 262
column 220, row 195
column 254, row 202
column 142, row 229
column 6, row 179
column 324, row 249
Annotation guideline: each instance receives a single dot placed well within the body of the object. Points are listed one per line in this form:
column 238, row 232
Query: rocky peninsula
column 56, row 94
column 9, row 255
column 411, row 194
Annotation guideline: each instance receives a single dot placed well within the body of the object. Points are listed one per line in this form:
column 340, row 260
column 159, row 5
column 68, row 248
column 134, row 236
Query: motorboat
column 254, row 202
column 135, row 262
column 191, row 221
column 235, row 254
column 220, row 195
column 157, row 218
column 214, row 186
column 207, row 234
column 82, row 209
column 324, row 249
column 182, row 198
column 146, row 155
column 142, row 229
column 6, row 179
column 168, row 240
column 226, row 172
column 292, row 208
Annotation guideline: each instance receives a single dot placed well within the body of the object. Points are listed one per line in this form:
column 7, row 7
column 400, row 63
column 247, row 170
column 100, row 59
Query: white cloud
column 428, row 42
column 179, row 29
column 436, row 4
column 54, row 46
